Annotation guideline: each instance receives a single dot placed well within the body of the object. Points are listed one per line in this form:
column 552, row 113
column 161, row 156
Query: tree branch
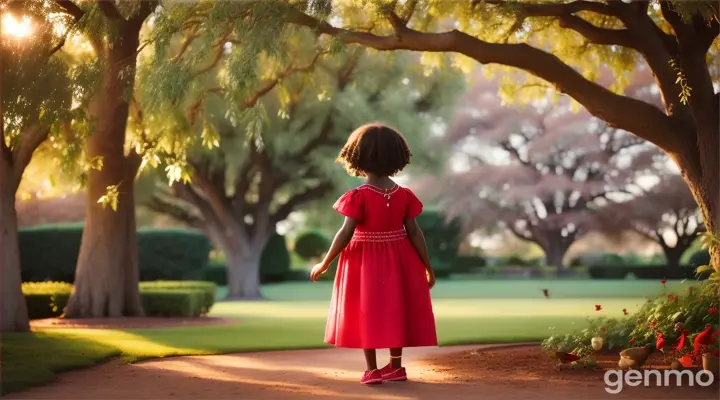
column 313, row 193
column 551, row 8
column 636, row 116
column 71, row 8
column 161, row 205
column 107, row 7
column 597, row 35
column 215, row 198
column 31, row 138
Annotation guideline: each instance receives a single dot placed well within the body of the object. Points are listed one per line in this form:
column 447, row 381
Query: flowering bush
column 682, row 325
column 614, row 331
column 669, row 315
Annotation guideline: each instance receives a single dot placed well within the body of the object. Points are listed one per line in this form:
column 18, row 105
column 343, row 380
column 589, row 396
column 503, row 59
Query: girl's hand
column 317, row 270
column 430, row 275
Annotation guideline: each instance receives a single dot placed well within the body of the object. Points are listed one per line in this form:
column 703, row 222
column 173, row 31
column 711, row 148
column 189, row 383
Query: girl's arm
column 417, row 239
column 341, row 240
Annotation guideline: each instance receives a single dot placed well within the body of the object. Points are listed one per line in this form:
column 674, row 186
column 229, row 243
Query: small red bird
column 598, row 307
column 546, row 293
column 702, row 340
column 566, row 358
column 660, row 342
column 682, row 340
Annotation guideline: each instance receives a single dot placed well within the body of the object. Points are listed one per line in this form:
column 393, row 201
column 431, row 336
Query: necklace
column 385, row 192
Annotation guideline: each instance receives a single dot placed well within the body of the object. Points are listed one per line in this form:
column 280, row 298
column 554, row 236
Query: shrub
column 311, row 245
column 514, row 261
column 46, row 299
column 693, row 309
column 466, row 263
column 209, row 290
column 608, row 272
column 658, row 259
column 442, row 238
column 165, row 299
column 215, row 272
column 275, row 260
column 634, row 259
column 50, row 253
column 665, row 272
column 700, row 257
column 613, row 259
column 173, row 302
column 172, row 254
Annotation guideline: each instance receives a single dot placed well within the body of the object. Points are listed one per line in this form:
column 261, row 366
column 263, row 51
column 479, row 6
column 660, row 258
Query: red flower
column 712, row 310
column 653, row 325
column 625, row 311
column 632, row 340
column 664, row 281
column 598, row 307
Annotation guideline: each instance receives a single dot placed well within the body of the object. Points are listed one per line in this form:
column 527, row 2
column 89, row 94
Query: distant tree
column 260, row 173
column 537, row 170
column 666, row 214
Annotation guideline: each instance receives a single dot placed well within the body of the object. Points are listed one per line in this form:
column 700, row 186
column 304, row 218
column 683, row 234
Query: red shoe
column 388, row 374
column 373, row 377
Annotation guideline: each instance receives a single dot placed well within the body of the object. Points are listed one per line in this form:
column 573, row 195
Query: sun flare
column 13, row 27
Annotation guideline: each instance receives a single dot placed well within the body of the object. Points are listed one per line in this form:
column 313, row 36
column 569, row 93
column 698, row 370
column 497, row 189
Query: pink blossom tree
column 666, row 214
column 538, row 170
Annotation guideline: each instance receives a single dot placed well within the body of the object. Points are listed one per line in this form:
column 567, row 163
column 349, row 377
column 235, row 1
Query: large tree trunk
column 673, row 255
column 107, row 273
column 555, row 251
column 13, row 311
column 243, row 269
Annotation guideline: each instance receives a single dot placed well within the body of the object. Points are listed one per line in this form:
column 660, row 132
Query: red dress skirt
column 381, row 297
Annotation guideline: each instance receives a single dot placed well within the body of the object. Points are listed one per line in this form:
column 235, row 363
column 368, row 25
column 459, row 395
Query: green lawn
column 294, row 317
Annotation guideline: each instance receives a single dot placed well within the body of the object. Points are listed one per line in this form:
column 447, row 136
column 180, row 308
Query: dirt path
column 304, row 374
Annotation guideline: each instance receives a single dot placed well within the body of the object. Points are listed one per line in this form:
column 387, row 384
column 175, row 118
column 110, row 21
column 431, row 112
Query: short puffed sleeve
column 350, row 205
column 415, row 206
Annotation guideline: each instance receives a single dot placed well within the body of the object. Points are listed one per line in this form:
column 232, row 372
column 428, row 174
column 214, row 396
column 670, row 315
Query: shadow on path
column 302, row 374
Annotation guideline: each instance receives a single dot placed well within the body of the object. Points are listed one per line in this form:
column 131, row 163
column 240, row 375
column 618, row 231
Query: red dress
column 381, row 297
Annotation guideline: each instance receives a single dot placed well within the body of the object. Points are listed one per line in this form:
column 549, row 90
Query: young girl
column 381, row 296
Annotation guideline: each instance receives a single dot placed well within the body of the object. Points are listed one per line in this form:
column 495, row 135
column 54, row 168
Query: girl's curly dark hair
column 375, row 149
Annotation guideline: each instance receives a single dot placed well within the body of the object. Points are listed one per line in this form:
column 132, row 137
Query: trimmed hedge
column 700, row 257
column 311, row 245
column 209, row 290
column 467, row 263
column 275, row 260
column 644, row 272
column 50, row 253
column 159, row 299
column 172, row 254
column 173, row 302
column 46, row 299
column 608, row 272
